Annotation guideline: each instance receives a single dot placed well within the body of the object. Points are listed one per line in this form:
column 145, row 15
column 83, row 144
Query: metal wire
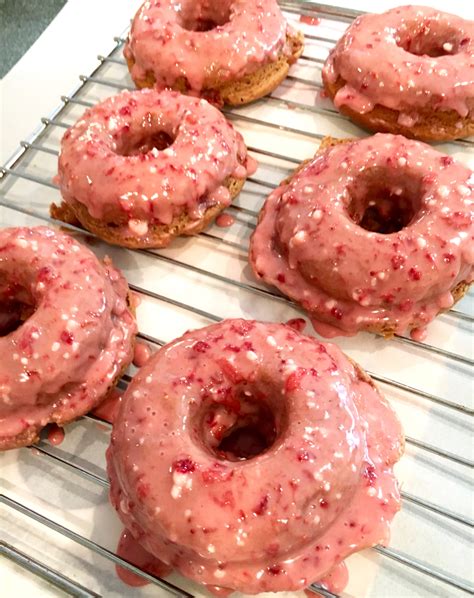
column 59, row 580
column 97, row 548
column 310, row 9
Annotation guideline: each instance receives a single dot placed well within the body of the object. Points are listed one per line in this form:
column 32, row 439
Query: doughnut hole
column 143, row 142
column 16, row 306
column 242, row 426
column 384, row 201
column 431, row 39
column 202, row 16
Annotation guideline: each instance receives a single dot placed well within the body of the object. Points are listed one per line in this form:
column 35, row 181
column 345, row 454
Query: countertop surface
column 81, row 31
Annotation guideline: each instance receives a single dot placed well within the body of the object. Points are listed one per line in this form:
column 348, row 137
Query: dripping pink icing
column 130, row 550
column 307, row 20
column 77, row 337
column 384, row 59
column 225, row 220
column 297, row 324
column 110, row 164
column 55, row 434
column 108, row 408
column 308, row 242
column 141, row 354
column 170, row 39
column 419, row 334
column 316, row 486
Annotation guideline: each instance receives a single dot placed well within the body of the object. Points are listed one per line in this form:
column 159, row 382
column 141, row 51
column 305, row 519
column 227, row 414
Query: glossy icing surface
column 176, row 40
column 311, row 242
column 253, row 458
column 407, row 58
column 76, row 339
column 110, row 163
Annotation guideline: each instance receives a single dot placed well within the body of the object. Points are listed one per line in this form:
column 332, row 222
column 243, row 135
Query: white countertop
column 32, row 89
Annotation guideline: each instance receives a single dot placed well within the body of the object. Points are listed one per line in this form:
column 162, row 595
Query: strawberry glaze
column 225, row 220
column 141, row 354
column 129, row 549
column 58, row 363
column 176, row 40
column 108, row 408
column 109, row 161
column 55, row 434
column 317, row 486
column 307, row 20
column 311, row 244
column 407, row 58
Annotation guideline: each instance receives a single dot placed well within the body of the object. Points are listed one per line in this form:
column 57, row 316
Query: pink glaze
column 319, row 486
column 55, row 434
column 419, row 334
column 176, row 40
column 225, row 220
column 108, row 408
column 307, row 20
column 135, row 299
column 384, row 59
column 59, row 363
column 141, row 354
column 297, row 324
column 129, row 549
column 109, row 161
column 309, row 244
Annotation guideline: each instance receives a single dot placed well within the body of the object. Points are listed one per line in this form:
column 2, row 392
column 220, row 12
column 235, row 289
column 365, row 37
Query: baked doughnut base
column 159, row 235
column 248, row 89
column 432, row 125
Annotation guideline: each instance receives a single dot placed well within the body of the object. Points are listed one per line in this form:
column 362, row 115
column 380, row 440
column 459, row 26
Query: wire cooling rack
column 55, row 520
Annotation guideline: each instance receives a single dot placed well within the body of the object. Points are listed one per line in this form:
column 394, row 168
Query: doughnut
column 143, row 167
column 374, row 234
column 253, row 458
column 66, row 331
column 228, row 51
column 407, row 71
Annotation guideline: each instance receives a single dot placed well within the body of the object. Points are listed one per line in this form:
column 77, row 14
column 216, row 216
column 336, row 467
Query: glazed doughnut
column 142, row 167
column 251, row 457
column 374, row 234
column 66, row 331
column 228, row 51
column 407, row 71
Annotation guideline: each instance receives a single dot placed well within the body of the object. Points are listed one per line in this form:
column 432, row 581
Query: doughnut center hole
column 383, row 201
column 16, row 306
column 430, row 39
column 202, row 16
column 144, row 143
column 239, row 429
